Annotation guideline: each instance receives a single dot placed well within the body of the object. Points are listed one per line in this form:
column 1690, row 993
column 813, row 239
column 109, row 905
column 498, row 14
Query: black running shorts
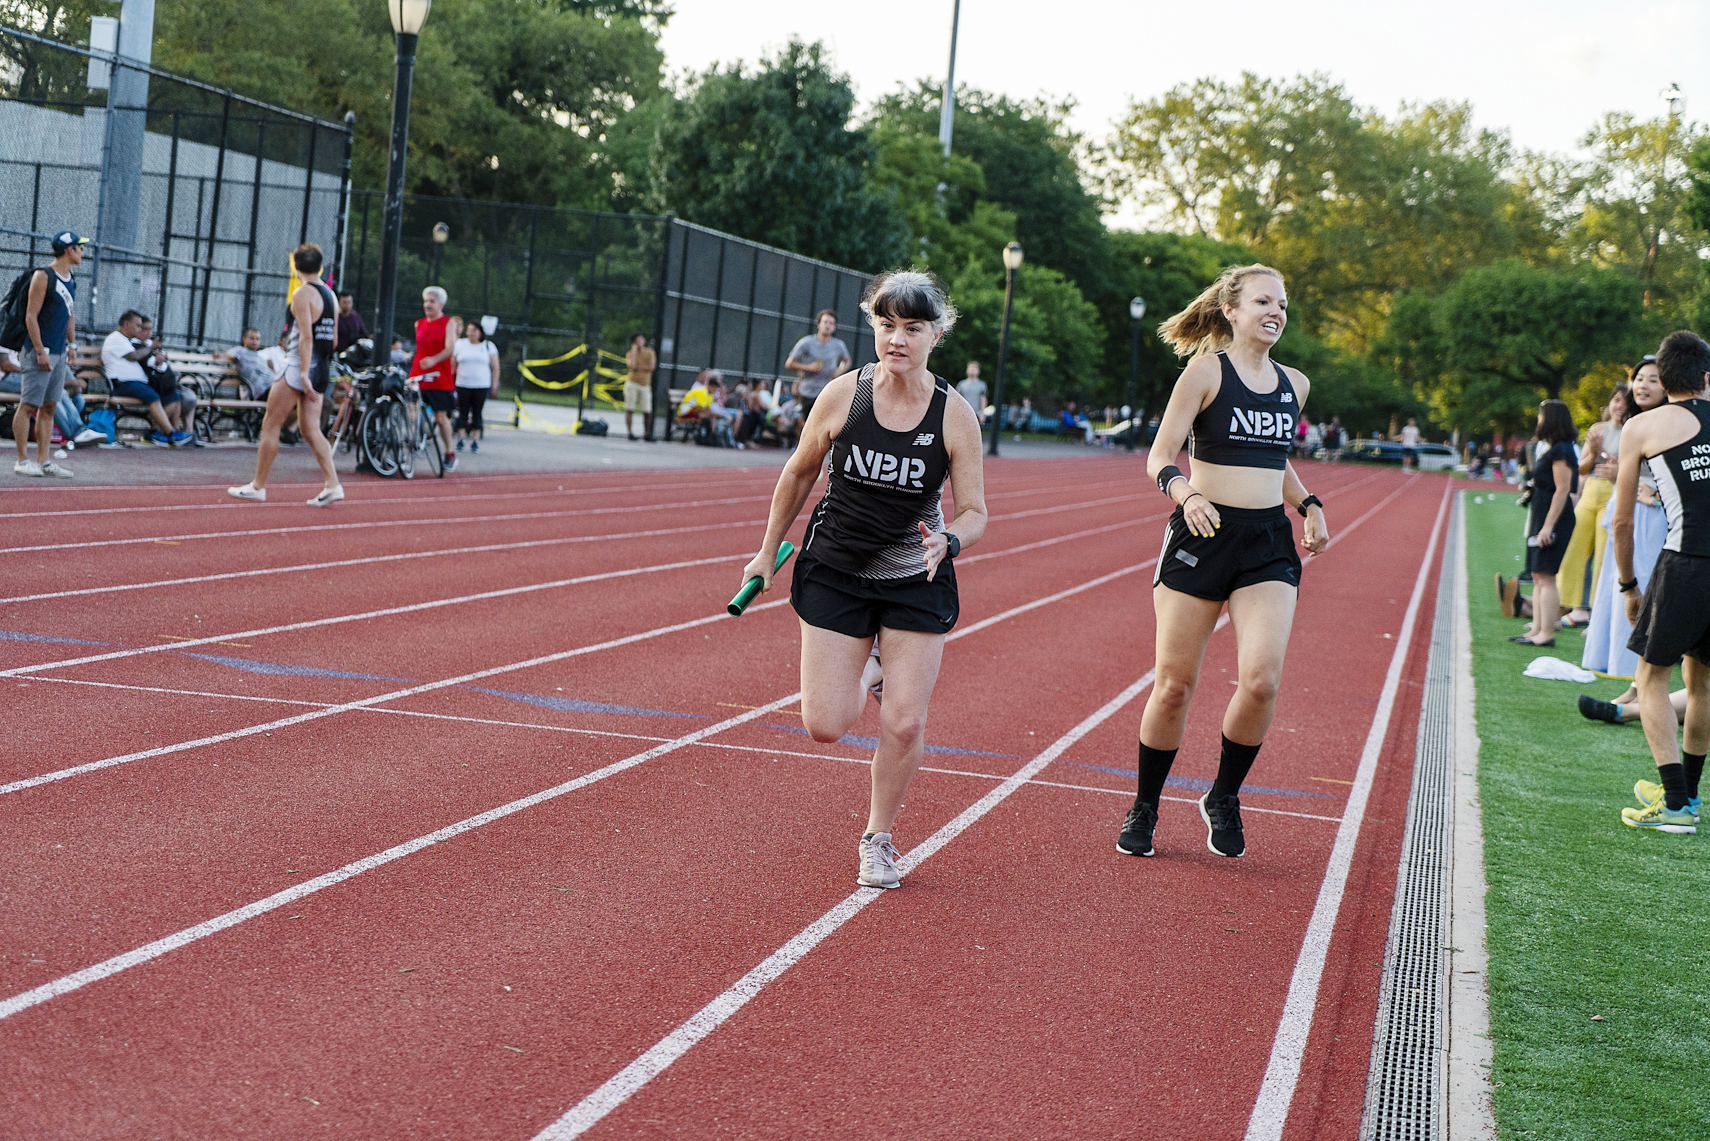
column 1548, row 560
column 440, row 399
column 848, row 604
column 1250, row 546
column 1675, row 618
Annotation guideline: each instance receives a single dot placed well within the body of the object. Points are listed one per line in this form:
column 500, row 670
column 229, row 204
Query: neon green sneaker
column 1659, row 817
column 1649, row 792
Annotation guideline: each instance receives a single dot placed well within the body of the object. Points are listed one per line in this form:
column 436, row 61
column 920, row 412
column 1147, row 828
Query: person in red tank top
column 431, row 369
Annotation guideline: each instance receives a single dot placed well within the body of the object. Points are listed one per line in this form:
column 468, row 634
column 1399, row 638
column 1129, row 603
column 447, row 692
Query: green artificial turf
column 1586, row 917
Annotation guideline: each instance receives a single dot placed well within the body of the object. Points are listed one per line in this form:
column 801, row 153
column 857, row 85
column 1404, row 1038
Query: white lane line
column 629, row 1080
column 483, row 549
column 1282, row 1073
column 154, row 950
column 338, row 619
column 372, row 524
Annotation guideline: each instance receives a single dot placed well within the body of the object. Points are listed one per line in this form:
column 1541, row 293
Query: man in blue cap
column 51, row 325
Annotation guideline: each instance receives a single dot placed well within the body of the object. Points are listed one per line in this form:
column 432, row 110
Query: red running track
column 257, row 899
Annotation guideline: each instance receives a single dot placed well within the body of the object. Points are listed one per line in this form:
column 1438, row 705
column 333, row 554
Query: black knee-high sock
column 1154, row 767
column 1673, row 779
column 1693, row 763
column 1232, row 769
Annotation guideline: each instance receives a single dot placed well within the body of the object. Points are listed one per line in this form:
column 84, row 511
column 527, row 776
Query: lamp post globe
column 1012, row 258
column 407, row 18
column 1136, row 310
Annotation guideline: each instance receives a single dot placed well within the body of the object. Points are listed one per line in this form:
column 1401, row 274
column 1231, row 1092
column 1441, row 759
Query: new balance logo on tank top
column 1243, row 428
column 1683, row 482
column 882, row 486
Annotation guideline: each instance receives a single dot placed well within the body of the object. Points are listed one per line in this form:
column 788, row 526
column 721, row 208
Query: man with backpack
column 40, row 325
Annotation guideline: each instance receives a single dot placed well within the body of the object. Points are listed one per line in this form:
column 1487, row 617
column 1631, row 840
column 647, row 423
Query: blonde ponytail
column 1202, row 328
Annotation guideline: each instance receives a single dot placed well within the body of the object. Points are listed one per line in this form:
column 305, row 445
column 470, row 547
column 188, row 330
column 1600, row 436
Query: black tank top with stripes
column 882, row 486
column 1683, row 484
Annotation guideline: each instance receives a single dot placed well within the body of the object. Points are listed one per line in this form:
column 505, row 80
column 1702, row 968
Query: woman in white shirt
column 477, row 375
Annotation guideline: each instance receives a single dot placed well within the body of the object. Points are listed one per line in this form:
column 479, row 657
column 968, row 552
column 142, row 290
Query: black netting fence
column 568, row 287
column 193, row 196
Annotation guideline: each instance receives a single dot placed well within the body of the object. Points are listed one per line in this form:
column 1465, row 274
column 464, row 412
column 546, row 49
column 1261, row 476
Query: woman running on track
column 876, row 572
column 1228, row 540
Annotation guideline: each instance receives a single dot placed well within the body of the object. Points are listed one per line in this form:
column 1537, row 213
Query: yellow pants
column 1586, row 546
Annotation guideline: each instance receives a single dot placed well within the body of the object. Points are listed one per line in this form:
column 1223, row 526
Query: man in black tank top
column 1671, row 623
column 876, row 574
column 309, row 348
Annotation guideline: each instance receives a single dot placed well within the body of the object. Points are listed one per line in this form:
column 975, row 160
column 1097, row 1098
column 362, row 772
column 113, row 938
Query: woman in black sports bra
column 1229, row 540
column 876, row 572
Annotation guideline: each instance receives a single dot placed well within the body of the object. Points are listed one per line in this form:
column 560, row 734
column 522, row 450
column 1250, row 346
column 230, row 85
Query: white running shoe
column 90, row 436
column 54, row 471
column 873, row 676
column 248, row 491
column 878, row 861
column 327, row 497
column 27, row 467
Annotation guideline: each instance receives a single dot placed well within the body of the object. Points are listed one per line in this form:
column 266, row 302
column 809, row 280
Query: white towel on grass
column 1555, row 669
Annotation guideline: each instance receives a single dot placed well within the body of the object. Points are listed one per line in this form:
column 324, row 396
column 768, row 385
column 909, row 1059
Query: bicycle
column 426, row 436
column 384, row 435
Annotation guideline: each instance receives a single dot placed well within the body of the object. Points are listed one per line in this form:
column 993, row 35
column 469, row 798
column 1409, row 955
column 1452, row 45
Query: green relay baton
column 751, row 589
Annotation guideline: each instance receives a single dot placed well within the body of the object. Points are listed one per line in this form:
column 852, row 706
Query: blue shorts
column 139, row 391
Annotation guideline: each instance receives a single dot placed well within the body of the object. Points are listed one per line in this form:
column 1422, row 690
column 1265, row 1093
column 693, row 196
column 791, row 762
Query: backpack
column 13, row 332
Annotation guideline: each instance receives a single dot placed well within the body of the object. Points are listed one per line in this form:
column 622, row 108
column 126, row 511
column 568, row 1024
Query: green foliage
column 1055, row 340
column 1027, row 156
column 769, row 155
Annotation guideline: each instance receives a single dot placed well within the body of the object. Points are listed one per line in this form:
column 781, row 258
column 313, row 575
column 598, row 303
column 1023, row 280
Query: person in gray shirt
column 973, row 390
column 818, row 360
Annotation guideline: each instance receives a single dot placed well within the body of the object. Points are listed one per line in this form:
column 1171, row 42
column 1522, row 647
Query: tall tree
column 770, row 155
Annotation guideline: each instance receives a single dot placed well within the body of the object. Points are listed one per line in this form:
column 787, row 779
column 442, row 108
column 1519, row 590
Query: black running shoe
column 1594, row 710
column 1135, row 839
column 1222, row 825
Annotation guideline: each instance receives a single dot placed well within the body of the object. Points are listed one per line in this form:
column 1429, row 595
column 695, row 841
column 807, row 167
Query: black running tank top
column 324, row 330
column 1683, row 482
column 882, row 485
column 1243, row 428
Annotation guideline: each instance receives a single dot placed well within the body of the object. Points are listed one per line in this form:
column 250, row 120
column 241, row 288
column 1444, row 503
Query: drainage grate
column 1406, row 1088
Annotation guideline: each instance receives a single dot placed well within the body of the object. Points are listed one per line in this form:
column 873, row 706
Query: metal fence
column 193, row 196
column 556, row 280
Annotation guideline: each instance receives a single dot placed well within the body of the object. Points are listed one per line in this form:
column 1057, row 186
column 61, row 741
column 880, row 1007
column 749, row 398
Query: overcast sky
column 1543, row 71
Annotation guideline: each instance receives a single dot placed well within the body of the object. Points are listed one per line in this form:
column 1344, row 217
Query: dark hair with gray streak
column 910, row 295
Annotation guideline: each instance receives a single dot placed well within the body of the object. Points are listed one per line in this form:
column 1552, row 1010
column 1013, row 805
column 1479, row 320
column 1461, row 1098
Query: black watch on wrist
column 1309, row 501
column 1630, row 584
column 954, row 543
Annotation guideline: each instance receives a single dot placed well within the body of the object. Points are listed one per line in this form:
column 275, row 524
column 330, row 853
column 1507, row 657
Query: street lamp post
column 1136, row 310
column 1011, row 263
column 408, row 16
column 441, row 235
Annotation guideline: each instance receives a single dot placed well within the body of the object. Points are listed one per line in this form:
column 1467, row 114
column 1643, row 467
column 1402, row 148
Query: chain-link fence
column 562, row 280
column 193, row 196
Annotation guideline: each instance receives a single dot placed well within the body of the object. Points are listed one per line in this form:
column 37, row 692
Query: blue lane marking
column 279, row 670
column 873, row 743
column 15, row 636
column 570, row 705
column 1195, row 784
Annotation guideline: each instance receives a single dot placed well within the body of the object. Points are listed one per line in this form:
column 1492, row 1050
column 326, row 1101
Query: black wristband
column 1309, row 501
column 1168, row 476
column 1624, row 587
column 953, row 543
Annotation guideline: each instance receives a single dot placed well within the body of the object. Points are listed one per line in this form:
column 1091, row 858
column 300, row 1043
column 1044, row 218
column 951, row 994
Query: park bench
column 222, row 396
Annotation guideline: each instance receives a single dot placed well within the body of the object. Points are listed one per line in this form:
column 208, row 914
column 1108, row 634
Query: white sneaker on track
column 54, row 471
column 248, row 491
column 327, row 497
column 27, row 467
column 878, row 861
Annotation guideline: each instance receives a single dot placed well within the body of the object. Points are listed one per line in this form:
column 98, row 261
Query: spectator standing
column 1597, row 461
column 351, row 328
column 1555, row 478
column 436, row 337
column 639, row 362
column 973, row 390
column 1410, row 446
column 67, row 414
column 817, row 360
column 1334, row 437
column 477, row 376
column 122, row 354
column 50, row 326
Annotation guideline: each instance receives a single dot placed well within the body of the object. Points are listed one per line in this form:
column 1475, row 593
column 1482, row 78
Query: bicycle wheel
column 376, row 439
column 427, row 442
column 403, row 440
